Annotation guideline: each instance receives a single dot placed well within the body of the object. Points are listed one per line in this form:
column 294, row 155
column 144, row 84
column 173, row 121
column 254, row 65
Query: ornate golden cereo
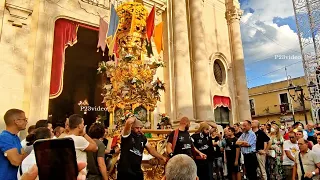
column 132, row 82
column 133, row 87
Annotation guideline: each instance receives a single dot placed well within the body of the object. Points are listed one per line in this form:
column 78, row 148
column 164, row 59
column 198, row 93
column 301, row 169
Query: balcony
column 268, row 112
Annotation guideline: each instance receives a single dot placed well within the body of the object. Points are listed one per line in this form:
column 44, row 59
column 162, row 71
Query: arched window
column 219, row 72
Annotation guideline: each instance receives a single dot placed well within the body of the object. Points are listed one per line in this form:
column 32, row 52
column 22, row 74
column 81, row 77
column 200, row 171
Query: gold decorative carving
column 132, row 29
column 132, row 81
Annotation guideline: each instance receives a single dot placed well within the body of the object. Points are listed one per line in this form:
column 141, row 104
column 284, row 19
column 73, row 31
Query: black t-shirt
column 203, row 143
column 216, row 149
column 184, row 143
column 231, row 149
column 262, row 137
column 238, row 134
column 131, row 153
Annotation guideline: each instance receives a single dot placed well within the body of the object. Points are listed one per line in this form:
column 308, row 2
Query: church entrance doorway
column 80, row 81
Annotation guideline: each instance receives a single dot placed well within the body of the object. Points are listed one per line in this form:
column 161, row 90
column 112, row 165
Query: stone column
column 233, row 15
column 200, row 62
column 182, row 69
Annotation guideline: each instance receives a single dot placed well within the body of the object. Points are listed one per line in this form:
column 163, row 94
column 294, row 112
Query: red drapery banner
column 221, row 101
column 65, row 34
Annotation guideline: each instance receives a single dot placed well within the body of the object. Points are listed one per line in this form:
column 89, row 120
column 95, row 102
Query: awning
column 221, row 101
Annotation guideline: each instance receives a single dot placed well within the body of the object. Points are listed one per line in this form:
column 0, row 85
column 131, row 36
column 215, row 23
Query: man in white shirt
column 316, row 148
column 82, row 142
column 26, row 148
column 290, row 148
column 309, row 160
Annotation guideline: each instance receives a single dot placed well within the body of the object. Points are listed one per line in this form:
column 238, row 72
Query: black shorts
column 232, row 168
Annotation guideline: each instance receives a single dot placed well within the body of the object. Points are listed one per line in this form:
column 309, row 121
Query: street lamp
column 297, row 91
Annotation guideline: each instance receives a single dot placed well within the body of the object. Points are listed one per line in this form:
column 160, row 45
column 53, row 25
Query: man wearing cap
column 133, row 143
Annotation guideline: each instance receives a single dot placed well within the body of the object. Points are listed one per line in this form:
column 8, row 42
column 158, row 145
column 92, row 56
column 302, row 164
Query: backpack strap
column 175, row 138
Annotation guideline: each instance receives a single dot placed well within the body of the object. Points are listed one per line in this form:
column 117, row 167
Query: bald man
column 133, row 143
column 12, row 154
column 183, row 143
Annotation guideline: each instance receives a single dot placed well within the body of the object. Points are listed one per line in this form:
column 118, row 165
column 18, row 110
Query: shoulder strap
column 20, row 170
column 175, row 138
column 301, row 165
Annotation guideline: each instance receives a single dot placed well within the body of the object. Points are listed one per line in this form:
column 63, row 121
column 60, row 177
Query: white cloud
column 246, row 17
column 263, row 40
column 265, row 10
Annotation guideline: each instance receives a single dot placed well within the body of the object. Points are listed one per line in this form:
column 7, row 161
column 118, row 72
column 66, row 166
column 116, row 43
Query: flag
column 149, row 48
column 103, row 29
column 150, row 23
column 158, row 37
column 113, row 26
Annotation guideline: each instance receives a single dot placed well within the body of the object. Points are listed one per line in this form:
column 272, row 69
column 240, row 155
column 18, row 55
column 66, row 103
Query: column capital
column 233, row 14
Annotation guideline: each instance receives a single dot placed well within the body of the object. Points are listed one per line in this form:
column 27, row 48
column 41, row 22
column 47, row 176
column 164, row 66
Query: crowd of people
column 248, row 150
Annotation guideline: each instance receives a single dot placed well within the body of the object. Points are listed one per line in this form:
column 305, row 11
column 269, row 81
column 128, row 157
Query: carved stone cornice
column 18, row 14
column 233, row 14
column 160, row 5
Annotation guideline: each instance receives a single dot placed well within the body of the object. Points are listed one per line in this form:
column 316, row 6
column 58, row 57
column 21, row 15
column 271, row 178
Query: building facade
column 272, row 102
column 202, row 49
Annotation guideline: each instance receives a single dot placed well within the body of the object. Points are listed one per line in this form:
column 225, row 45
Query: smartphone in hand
column 56, row 159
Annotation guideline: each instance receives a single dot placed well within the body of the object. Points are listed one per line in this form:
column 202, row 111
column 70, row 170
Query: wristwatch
column 313, row 173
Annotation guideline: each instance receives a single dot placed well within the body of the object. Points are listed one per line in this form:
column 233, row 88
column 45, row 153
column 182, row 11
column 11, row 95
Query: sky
column 270, row 41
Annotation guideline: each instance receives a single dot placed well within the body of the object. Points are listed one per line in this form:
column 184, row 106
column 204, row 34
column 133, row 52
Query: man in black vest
column 182, row 144
column 133, row 143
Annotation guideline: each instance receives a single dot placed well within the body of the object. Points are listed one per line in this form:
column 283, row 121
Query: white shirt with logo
column 292, row 148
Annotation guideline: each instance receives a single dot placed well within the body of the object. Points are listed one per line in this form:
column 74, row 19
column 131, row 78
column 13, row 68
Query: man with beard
column 179, row 141
column 203, row 143
column 133, row 143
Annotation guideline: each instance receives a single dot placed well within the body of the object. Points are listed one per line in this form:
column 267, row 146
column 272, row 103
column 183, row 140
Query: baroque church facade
column 204, row 72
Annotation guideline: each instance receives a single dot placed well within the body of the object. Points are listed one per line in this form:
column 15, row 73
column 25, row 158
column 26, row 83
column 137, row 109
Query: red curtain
column 65, row 34
column 221, row 101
